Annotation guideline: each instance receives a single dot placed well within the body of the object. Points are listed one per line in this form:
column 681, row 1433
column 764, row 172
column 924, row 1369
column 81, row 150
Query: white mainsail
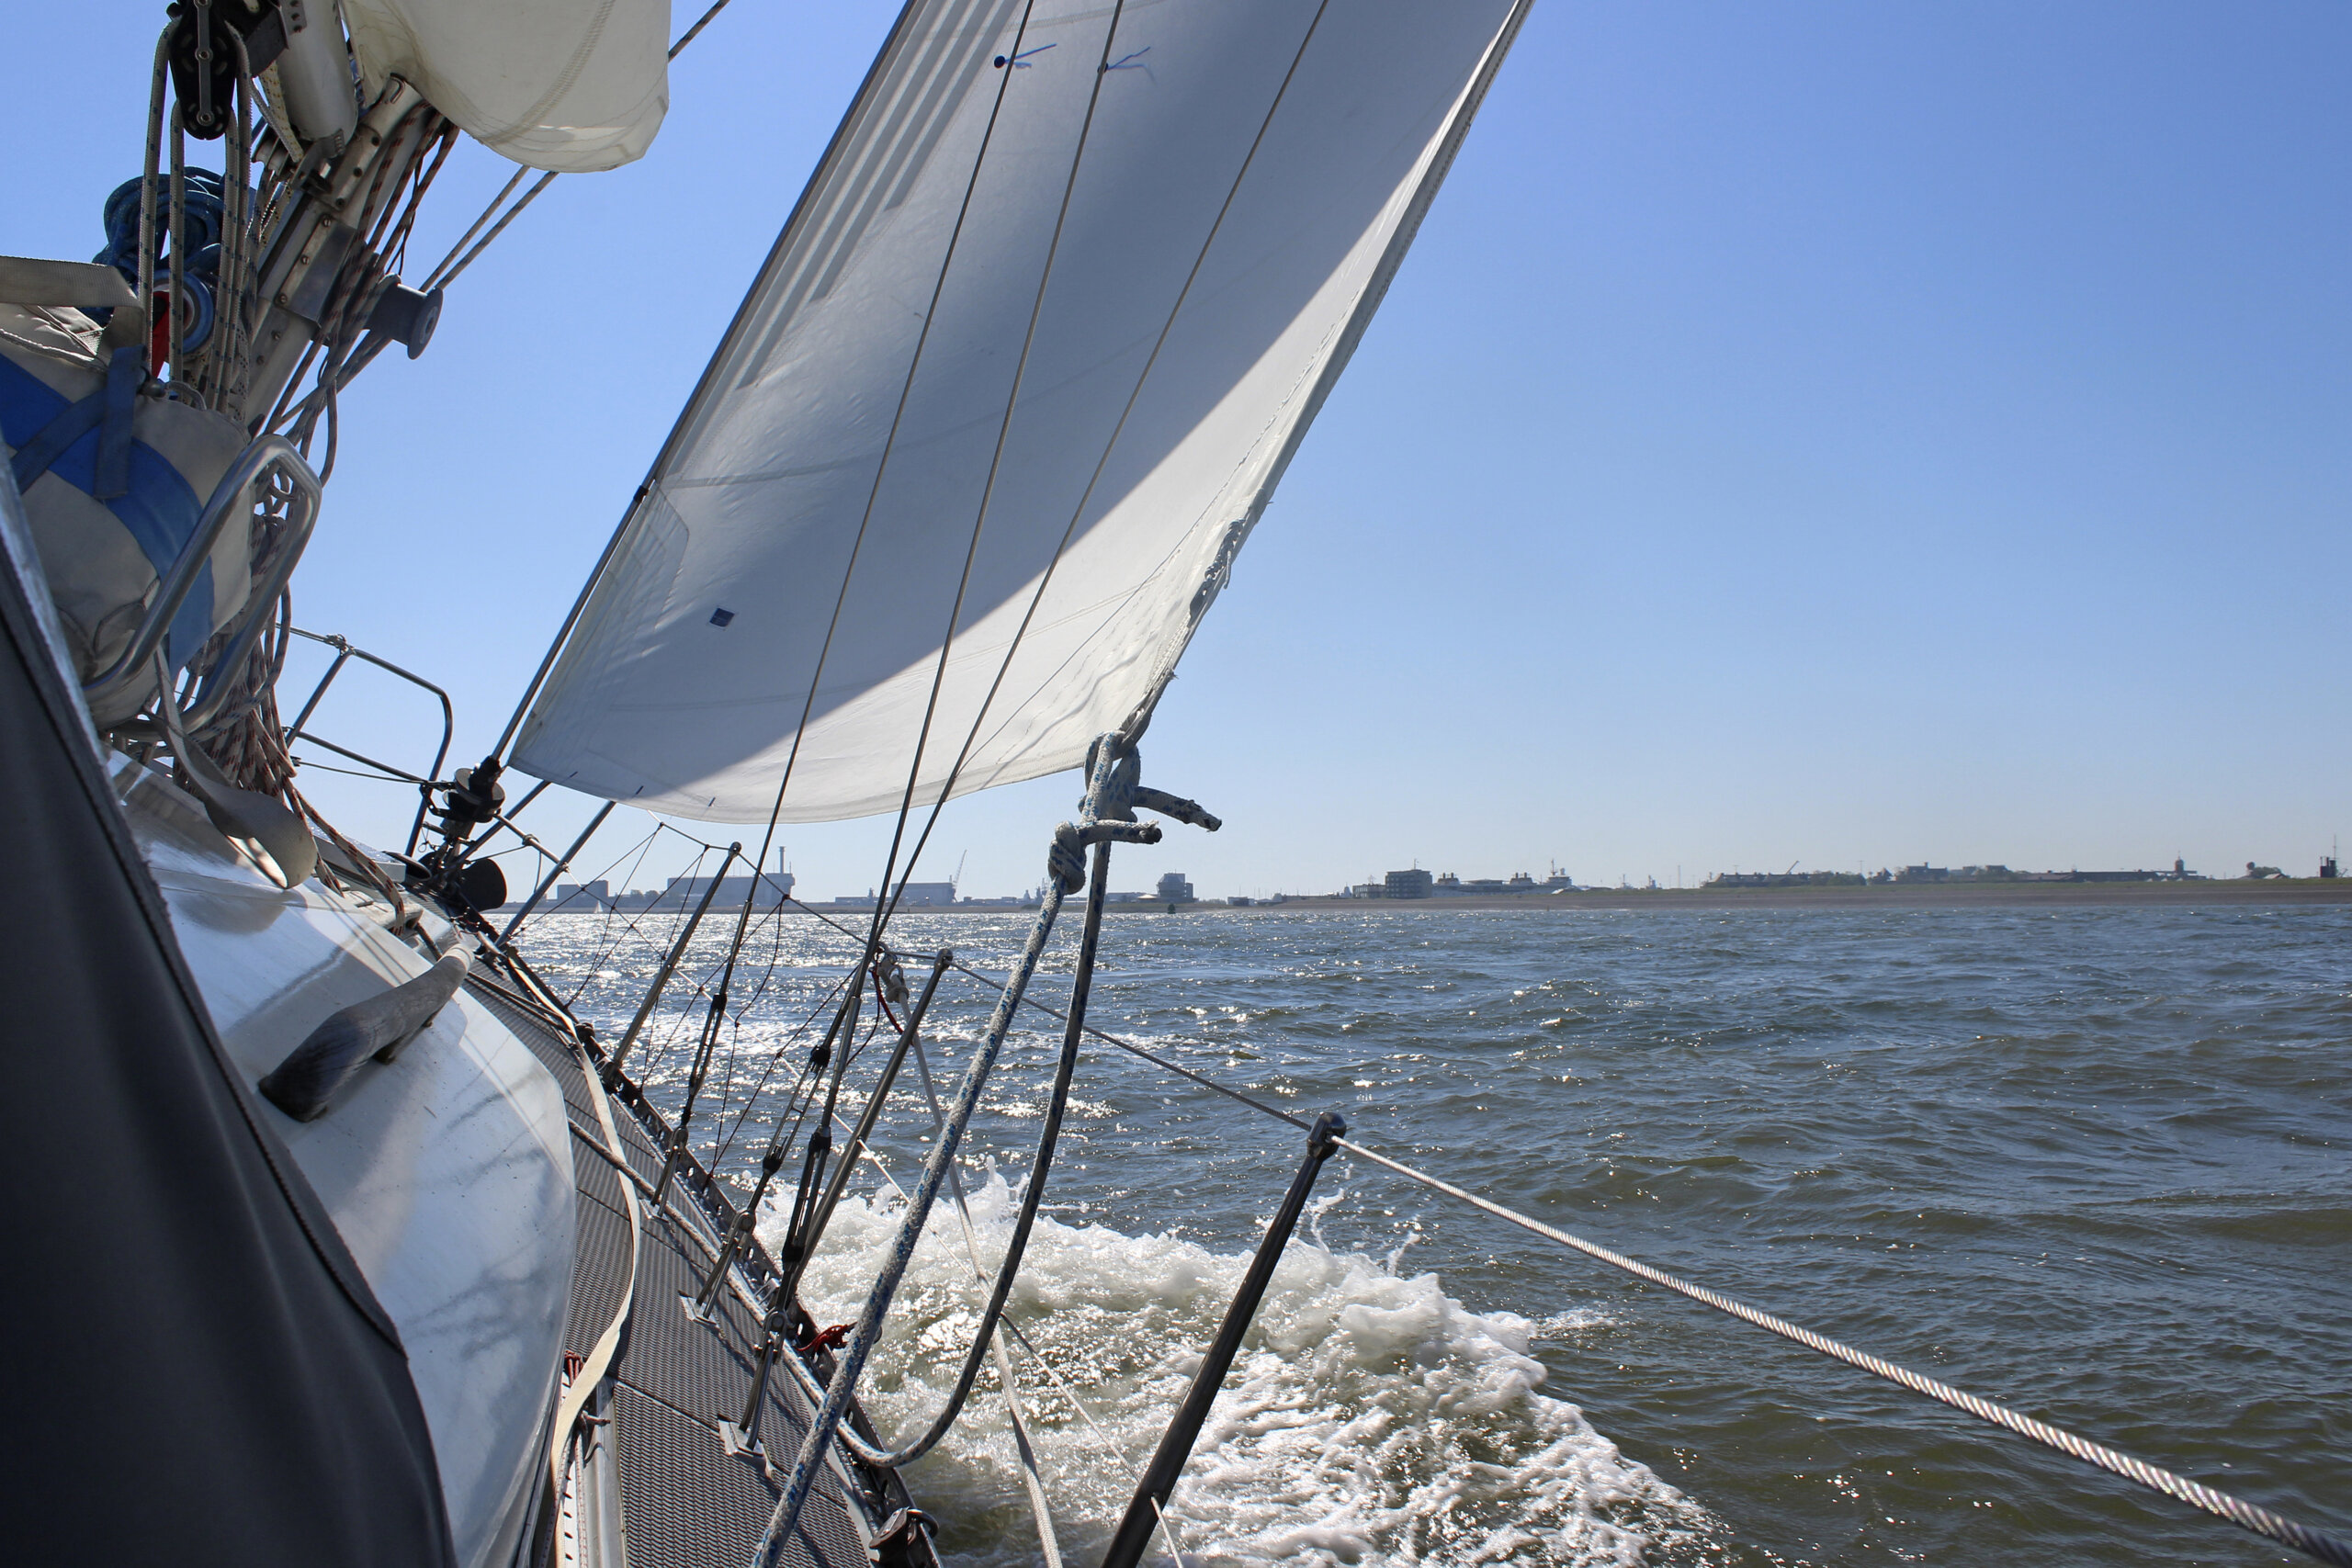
column 1032, row 353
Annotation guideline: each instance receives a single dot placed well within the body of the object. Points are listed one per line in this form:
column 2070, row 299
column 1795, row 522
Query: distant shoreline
column 1894, row 895
column 2301, row 890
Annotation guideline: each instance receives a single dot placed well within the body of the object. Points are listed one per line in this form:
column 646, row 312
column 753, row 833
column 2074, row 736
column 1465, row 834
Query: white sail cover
column 1041, row 333
column 573, row 85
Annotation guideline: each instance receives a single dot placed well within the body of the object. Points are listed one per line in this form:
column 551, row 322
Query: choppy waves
column 1371, row 1418
column 2091, row 1162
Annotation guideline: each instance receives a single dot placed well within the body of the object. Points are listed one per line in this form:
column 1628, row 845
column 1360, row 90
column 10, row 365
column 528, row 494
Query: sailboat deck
column 684, row 1501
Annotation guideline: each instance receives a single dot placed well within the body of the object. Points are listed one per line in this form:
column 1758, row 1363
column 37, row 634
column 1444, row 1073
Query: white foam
column 1371, row 1418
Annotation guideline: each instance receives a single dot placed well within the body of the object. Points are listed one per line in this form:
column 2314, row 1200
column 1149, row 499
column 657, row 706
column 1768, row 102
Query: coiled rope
column 2247, row 1516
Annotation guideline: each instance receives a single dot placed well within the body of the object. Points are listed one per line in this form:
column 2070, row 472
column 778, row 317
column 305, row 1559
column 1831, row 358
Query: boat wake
column 1371, row 1418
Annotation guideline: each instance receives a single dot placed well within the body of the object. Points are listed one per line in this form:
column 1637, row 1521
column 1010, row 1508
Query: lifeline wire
column 798, row 1034
column 1049, row 1011
column 2261, row 1521
column 2236, row 1510
column 782, row 897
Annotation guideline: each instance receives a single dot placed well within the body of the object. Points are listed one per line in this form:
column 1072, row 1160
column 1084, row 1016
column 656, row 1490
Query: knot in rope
column 1066, row 861
column 1122, row 790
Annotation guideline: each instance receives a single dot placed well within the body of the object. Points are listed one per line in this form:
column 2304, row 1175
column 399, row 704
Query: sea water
column 2090, row 1162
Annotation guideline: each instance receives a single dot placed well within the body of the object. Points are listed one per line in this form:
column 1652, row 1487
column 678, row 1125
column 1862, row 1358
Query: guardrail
column 344, row 654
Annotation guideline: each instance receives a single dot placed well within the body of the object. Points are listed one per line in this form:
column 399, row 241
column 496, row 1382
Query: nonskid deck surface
column 685, row 1502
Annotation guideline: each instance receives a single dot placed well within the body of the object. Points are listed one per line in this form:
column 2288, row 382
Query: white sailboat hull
column 447, row 1171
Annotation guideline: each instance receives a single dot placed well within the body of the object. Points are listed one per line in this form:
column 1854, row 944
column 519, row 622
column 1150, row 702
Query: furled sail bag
column 115, row 478
column 573, row 85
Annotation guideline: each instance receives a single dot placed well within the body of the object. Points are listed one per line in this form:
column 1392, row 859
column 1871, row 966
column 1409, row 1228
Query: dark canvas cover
column 193, row 1370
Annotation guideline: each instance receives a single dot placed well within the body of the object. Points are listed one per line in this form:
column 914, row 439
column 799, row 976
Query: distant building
column 1414, row 884
column 577, row 896
column 1919, row 873
column 1174, row 889
column 926, row 895
column 684, row 892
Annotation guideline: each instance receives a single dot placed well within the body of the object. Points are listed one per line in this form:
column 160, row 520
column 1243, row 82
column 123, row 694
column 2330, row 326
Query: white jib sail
column 1032, row 353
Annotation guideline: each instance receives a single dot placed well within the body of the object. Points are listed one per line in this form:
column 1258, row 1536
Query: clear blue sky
column 1835, row 433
